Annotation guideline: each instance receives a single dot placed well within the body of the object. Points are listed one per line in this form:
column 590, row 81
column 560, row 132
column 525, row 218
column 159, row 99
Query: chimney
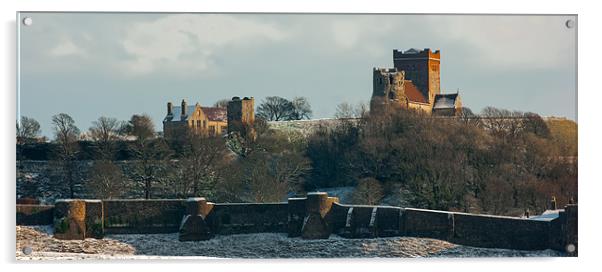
column 169, row 112
column 183, row 107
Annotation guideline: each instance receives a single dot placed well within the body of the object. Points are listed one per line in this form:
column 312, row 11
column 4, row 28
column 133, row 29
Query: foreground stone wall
column 143, row 216
column 248, row 218
column 316, row 216
column 34, row 214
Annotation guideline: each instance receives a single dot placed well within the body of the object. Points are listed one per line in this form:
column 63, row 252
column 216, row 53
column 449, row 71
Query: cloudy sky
column 90, row 65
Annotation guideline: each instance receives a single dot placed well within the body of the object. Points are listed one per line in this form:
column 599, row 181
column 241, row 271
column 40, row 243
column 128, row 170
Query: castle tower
column 387, row 89
column 422, row 68
column 241, row 116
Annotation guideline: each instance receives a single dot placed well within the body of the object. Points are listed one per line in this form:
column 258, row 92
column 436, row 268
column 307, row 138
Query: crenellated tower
column 422, row 68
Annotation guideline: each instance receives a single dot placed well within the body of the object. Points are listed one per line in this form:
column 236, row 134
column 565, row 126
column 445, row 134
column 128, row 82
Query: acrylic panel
column 266, row 135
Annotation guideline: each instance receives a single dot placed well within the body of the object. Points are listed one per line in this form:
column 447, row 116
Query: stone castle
column 413, row 83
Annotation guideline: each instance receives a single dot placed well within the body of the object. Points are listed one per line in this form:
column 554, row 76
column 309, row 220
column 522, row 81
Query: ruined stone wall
column 316, row 216
column 387, row 89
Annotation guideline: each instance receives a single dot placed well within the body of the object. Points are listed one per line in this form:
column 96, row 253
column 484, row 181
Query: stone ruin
column 316, row 216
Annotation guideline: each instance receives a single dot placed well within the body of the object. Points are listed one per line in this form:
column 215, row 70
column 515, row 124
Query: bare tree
column 106, row 180
column 301, row 109
column 141, row 127
column 275, row 108
column 535, row 124
column 151, row 154
column 105, row 131
column 346, row 110
column 200, row 164
column 368, row 192
column 264, row 176
column 27, row 130
column 66, row 135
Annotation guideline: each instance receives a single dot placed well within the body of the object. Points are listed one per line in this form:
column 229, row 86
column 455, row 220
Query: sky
column 119, row 64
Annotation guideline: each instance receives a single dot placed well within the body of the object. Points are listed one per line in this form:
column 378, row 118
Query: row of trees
column 499, row 162
column 178, row 167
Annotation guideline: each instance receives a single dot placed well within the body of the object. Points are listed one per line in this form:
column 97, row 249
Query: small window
column 204, row 123
column 198, row 123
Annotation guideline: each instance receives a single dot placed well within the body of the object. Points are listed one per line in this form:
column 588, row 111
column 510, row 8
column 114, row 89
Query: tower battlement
column 422, row 68
column 413, row 53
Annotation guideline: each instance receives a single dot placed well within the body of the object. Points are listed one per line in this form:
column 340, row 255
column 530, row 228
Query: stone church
column 413, row 83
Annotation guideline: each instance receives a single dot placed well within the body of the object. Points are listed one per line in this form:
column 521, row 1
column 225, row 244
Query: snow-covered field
column 258, row 245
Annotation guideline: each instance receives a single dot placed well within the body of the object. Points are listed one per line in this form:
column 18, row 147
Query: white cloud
column 516, row 42
column 66, row 48
column 187, row 43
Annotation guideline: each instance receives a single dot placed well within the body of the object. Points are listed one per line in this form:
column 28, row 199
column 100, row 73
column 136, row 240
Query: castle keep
column 413, row 83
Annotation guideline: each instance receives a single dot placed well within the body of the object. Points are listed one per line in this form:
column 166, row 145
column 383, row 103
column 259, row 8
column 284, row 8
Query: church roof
column 445, row 101
column 412, row 92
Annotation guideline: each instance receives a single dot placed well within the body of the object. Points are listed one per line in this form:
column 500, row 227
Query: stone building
column 241, row 116
column 413, row 83
column 205, row 121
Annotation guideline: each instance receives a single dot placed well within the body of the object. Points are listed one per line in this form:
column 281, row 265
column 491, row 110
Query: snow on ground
column 257, row 245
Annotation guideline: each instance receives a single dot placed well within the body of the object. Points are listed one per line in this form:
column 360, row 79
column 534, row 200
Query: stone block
column 194, row 228
column 315, row 225
column 198, row 206
column 69, row 220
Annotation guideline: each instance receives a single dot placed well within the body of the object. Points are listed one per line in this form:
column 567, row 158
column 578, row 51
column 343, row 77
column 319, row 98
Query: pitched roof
column 215, row 114
column 176, row 115
column 445, row 101
column 412, row 92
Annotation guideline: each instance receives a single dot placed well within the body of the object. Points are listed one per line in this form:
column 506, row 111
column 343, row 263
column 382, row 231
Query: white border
column 589, row 131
